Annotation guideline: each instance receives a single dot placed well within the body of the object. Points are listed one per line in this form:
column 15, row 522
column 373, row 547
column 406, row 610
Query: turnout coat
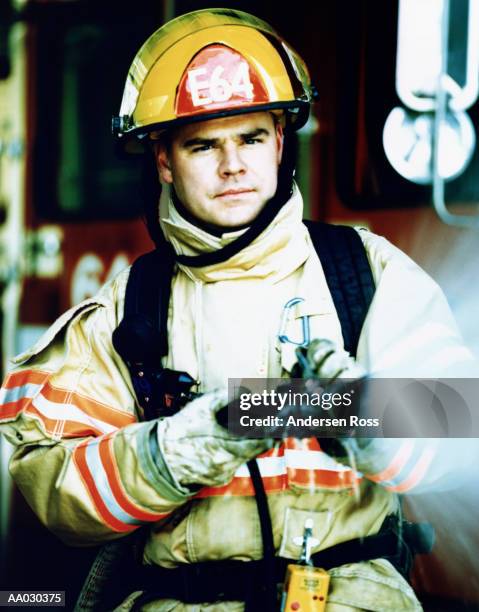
column 82, row 455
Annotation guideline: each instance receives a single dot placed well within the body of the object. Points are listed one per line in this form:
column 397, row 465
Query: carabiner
column 284, row 322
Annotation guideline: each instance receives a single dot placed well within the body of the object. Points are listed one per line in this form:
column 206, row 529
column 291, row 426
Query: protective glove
column 323, row 365
column 197, row 450
column 323, row 359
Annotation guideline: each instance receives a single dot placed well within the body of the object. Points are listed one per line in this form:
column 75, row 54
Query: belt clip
column 282, row 336
column 306, row 542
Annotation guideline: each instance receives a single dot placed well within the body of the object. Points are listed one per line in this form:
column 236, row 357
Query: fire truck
column 385, row 147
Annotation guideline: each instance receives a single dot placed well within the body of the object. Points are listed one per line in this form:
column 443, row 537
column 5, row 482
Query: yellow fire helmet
column 206, row 64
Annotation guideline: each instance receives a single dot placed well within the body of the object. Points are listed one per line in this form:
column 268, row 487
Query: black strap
column 141, row 338
column 148, row 291
column 230, row 580
column 262, row 594
column 348, row 274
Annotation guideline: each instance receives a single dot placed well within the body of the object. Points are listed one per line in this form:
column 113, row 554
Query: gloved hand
column 324, row 366
column 197, row 450
column 323, row 359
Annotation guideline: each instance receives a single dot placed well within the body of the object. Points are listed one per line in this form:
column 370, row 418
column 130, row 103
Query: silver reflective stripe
column 101, row 482
column 17, row 393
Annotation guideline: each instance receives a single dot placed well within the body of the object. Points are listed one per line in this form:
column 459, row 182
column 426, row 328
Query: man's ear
column 163, row 162
column 279, row 140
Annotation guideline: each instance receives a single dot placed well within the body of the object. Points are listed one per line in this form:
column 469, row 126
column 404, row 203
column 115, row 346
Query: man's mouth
column 233, row 192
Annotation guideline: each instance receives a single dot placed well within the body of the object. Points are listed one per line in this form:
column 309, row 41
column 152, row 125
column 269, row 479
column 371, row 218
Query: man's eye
column 199, row 149
column 252, row 140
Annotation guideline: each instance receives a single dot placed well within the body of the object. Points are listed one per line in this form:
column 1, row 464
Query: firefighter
column 213, row 96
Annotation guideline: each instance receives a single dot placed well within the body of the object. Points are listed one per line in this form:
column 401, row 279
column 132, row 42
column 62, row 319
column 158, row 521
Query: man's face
column 224, row 170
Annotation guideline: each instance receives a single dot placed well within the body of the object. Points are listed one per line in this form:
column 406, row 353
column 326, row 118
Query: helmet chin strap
column 261, row 222
column 215, row 230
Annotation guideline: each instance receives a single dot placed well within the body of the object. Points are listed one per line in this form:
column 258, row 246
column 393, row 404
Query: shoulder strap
column 148, row 292
column 142, row 336
column 348, row 275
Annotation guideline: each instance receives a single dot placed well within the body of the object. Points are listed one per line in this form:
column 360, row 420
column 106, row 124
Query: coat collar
column 279, row 250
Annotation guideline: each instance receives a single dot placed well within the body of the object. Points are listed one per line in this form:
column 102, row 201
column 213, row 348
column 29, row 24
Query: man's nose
column 231, row 162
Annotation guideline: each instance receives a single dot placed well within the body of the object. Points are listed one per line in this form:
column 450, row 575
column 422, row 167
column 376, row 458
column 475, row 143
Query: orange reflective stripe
column 91, row 407
column 417, row 474
column 79, row 458
column 332, row 479
column 313, row 444
column 66, row 429
column 111, row 469
column 397, row 463
column 243, row 486
column 310, row 477
column 17, row 379
column 18, row 390
column 323, row 478
column 60, row 410
column 11, row 409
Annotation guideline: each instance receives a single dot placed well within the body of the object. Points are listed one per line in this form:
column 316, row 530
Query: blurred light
column 408, row 142
column 420, row 55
